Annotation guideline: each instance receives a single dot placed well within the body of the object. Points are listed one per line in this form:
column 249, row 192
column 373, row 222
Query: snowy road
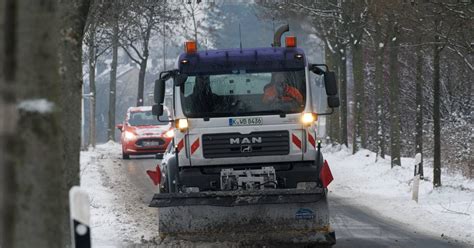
column 359, row 227
column 355, row 226
column 364, row 214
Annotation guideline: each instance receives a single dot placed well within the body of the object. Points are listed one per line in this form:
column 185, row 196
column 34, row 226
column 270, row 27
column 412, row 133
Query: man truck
column 244, row 163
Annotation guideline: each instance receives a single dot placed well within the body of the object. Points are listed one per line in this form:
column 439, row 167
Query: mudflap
column 279, row 216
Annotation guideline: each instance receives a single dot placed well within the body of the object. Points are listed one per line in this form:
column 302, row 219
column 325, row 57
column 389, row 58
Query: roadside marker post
column 79, row 217
column 416, row 179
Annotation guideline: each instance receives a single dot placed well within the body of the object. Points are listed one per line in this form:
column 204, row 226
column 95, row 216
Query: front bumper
column 139, row 147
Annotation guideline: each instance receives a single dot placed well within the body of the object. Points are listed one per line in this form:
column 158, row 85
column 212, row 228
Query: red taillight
column 290, row 41
column 190, row 46
column 155, row 175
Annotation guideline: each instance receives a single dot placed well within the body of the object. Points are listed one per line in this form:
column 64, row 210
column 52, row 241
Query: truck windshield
column 145, row 118
column 244, row 94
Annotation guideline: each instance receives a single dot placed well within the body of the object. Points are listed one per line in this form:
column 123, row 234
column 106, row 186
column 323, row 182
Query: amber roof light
column 290, row 41
column 190, row 46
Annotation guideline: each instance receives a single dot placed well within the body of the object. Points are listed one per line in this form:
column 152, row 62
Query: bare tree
column 192, row 8
column 377, row 16
column 72, row 19
column 143, row 20
column 115, row 12
column 355, row 14
column 394, row 94
column 40, row 160
column 98, row 43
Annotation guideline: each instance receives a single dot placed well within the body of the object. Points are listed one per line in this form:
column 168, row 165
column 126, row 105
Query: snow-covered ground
column 120, row 217
column 448, row 210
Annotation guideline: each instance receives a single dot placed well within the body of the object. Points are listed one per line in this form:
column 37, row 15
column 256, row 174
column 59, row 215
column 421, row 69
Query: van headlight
column 169, row 133
column 129, row 135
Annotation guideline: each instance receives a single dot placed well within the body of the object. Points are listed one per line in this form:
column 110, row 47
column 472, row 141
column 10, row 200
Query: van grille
column 245, row 145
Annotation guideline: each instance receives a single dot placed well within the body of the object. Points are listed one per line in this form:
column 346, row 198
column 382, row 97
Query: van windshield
column 244, row 94
column 145, row 118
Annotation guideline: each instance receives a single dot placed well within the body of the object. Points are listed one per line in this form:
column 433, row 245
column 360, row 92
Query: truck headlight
column 182, row 125
column 308, row 118
column 129, row 135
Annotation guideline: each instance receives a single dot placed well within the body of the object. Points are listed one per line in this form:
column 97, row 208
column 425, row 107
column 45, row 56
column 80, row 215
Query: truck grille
column 245, row 145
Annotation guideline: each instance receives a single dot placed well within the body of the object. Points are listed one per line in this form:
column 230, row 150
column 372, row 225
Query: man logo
column 246, row 149
column 251, row 140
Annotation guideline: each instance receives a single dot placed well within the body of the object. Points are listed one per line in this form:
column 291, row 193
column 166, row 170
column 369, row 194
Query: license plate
column 245, row 121
column 151, row 143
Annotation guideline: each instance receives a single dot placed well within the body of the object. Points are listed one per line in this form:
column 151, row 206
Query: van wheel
column 125, row 156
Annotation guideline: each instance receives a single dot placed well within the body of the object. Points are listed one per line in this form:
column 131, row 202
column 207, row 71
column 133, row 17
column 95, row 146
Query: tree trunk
column 72, row 18
column 143, row 66
column 92, row 88
column 32, row 159
column 8, row 64
column 141, row 82
column 359, row 116
column 343, row 95
column 379, row 92
column 436, row 114
column 113, row 80
column 394, row 100
column 333, row 123
column 419, row 105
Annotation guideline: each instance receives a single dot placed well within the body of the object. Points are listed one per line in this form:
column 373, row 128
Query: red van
column 143, row 134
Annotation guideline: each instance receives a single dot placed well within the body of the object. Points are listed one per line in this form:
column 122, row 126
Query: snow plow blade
column 280, row 216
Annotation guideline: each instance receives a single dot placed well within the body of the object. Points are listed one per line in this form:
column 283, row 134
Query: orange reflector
column 190, row 46
column 290, row 41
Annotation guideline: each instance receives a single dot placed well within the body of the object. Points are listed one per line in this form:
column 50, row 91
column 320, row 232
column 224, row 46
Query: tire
column 125, row 156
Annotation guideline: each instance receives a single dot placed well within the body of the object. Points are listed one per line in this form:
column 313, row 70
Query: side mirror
column 316, row 70
column 330, row 83
column 180, row 79
column 159, row 92
column 333, row 101
column 120, row 127
column 157, row 110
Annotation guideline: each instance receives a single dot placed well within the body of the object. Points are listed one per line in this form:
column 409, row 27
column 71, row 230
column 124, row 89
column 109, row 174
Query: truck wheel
column 125, row 156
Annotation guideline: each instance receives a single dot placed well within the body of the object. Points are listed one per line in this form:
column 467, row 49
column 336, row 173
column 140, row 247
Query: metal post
column 82, row 118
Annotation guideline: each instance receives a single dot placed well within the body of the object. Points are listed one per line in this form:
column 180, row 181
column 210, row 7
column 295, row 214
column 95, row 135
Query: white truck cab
column 244, row 125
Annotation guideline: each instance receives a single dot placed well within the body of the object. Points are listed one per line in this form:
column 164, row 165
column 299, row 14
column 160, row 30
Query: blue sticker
column 304, row 214
column 231, row 122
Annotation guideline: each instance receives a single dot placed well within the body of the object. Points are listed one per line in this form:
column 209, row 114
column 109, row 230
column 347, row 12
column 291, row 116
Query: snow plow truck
column 244, row 163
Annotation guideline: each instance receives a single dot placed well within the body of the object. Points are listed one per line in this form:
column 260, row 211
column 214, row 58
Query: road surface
column 355, row 226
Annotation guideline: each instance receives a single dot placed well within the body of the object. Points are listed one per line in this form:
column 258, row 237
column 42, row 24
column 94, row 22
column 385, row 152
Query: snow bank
column 118, row 216
column 448, row 210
